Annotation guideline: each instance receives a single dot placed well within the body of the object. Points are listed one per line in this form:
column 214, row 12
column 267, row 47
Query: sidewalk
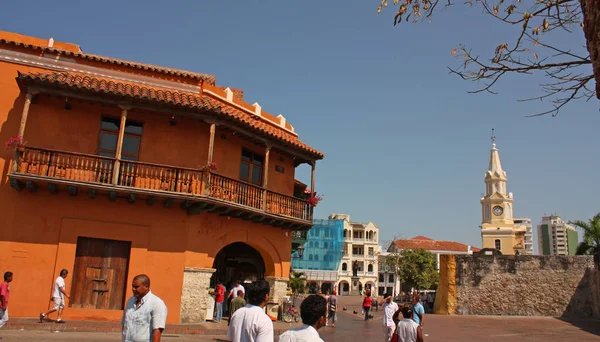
column 207, row 328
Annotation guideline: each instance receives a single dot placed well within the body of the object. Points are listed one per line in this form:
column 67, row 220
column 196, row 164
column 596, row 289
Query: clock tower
column 498, row 228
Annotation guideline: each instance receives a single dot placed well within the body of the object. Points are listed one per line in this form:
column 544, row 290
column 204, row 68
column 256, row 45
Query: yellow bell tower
column 498, row 228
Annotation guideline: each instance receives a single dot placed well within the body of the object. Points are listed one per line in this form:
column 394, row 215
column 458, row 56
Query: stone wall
column 194, row 295
column 595, row 292
column 519, row 285
column 278, row 288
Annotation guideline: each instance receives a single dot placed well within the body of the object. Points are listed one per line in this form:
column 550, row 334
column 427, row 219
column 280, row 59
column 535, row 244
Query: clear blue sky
column 406, row 147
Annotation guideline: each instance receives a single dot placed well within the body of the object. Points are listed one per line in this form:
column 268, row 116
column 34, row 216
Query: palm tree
column 591, row 237
column 297, row 283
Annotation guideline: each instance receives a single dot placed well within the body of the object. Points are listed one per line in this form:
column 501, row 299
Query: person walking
column 389, row 310
column 4, row 297
column 234, row 292
column 367, row 304
column 236, row 304
column 332, row 309
column 145, row 314
column 251, row 323
column 313, row 311
column 58, row 297
column 219, row 294
column 408, row 330
column 418, row 310
column 326, row 296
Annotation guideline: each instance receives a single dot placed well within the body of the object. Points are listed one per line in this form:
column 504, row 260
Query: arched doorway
column 327, row 287
column 344, row 288
column 238, row 261
column 371, row 286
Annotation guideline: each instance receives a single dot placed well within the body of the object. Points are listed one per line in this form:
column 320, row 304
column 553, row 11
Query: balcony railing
column 98, row 170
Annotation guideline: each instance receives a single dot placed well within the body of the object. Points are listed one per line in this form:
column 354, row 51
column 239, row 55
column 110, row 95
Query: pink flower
column 314, row 200
column 212, row 166
column 14, row 142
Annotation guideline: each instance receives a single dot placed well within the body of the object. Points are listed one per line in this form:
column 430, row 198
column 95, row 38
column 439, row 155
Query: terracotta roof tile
column 141, row 66
column 188, row 100
column 432, row 245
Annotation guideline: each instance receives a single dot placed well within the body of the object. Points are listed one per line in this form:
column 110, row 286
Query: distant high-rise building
column 525, row 223
column 557, row 237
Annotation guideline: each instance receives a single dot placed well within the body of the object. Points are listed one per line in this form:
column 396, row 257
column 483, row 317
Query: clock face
column 498, row 210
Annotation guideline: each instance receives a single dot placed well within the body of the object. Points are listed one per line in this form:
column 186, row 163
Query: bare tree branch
column 569, row 72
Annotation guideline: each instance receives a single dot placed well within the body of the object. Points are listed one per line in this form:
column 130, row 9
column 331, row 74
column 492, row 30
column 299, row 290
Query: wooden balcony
column 196, row 190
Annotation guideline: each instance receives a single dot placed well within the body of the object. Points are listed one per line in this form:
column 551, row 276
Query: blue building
column 323, row 251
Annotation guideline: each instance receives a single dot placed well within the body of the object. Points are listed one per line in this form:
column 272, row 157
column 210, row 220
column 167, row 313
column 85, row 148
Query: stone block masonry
column 518, row 286
column 278, row 288
column 194, row 295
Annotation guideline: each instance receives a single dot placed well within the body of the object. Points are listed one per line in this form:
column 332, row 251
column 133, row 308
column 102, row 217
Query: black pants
column 367, row 309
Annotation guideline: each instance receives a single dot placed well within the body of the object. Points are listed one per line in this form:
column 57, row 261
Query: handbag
column 394, row 336
column 332, row 307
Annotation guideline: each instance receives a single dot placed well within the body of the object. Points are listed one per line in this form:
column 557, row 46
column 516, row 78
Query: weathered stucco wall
column 519, row 286
column 524, row 285
column 445, row 299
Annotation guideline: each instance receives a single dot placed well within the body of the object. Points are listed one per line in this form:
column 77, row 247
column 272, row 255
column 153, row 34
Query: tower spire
column 495, row 165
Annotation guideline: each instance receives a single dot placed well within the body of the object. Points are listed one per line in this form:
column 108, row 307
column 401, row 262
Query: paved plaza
column 352, row 327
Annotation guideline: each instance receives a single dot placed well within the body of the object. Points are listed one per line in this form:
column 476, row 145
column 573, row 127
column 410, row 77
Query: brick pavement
column 350, row 327
column 208, row 328
column 438, row 328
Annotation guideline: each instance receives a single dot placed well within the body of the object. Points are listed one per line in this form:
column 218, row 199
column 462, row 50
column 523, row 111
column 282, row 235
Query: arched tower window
column 344, row 267
column 370, row 268
column 486, row 212
column 498, row 244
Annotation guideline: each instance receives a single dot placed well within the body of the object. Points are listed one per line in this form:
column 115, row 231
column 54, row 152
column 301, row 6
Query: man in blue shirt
column 418, row 309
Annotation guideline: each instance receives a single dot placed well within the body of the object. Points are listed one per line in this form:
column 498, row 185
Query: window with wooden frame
column 109, row 134
column 251, row 167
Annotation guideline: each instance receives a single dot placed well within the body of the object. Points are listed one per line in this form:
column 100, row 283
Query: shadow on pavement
column 589, row 325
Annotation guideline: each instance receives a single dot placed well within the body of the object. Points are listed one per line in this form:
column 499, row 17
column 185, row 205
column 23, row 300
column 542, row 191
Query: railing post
column 211, row 147
column 312, row 177
column 265, row 178
column 116, row 167
column 24, row 114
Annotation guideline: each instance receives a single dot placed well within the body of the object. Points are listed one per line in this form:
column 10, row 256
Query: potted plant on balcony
column 211, row 167
column 14, row 143
column 314, row 199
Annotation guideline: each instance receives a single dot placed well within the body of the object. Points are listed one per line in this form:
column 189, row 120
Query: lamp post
column 300, row 251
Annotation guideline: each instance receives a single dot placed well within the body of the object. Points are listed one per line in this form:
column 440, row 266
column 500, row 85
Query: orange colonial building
column 116, row 175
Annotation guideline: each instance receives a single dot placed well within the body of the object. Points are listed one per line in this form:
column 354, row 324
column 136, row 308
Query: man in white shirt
column 313, row 311
column 389, row 309
column 233, row 293
column 251, row 323
column 145, row 315
column 58, row 297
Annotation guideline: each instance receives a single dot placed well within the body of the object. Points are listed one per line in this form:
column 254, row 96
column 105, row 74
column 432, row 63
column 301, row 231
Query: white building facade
column 387, row 281
column 361, row 245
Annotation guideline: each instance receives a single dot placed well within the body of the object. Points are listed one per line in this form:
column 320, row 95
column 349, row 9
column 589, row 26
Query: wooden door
column 100, row 274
